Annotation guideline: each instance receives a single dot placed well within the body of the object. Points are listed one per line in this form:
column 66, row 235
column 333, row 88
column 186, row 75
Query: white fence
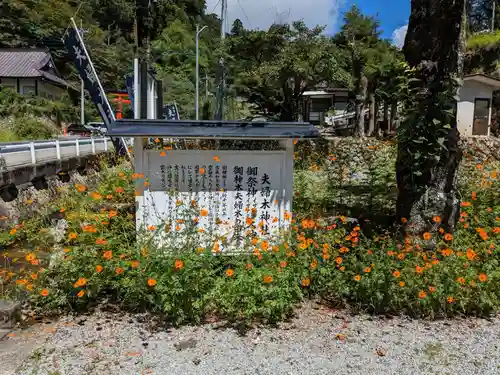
column 16, row 155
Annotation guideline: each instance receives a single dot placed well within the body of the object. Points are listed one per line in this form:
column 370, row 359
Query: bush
column 31, row 129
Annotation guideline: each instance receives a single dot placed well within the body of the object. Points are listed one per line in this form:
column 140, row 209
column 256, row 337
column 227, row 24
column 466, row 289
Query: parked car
column 82, row 130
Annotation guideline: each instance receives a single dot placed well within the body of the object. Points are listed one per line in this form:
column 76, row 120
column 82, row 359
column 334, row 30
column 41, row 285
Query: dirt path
column 318, row 341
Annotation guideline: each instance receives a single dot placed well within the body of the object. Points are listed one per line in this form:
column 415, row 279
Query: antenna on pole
column 219, row 115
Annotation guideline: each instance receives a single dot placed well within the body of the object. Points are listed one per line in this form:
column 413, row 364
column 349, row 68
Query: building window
column 481, row 117
column 28, row 90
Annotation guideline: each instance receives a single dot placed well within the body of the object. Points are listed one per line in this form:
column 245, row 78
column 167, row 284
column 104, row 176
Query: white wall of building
column 27, row 87
column 469, row 92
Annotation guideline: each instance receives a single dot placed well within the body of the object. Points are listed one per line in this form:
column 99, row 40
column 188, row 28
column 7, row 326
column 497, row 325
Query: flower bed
column 335, row 259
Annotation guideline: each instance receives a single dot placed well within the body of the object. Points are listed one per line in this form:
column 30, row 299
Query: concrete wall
column 469, row 92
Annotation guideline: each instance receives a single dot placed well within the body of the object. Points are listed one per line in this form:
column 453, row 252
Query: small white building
column 474, row 106
column 315, row 105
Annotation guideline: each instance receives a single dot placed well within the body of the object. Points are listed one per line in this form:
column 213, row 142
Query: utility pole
column 82, row 89
column 206, row 85
column 220, row 89
column 198, row 31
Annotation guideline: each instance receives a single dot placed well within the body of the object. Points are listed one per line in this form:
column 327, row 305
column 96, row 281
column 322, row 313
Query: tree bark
column 394, row 109
column 376, row 110
column 371, row 121
column 360, row 106
column 434, row 45
column 387, row 126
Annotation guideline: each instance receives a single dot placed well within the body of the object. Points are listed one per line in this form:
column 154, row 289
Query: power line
column 216, row 5
column 245, row 14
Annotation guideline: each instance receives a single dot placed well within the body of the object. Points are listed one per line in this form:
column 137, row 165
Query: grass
column 486, row 40
column 322, row 256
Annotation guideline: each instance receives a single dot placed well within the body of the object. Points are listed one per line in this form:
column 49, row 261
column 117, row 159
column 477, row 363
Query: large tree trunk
column 360, row 106
column 373, row 115
column 387, row 126
column 377, row 123
column 394, row 109
column 426, row 174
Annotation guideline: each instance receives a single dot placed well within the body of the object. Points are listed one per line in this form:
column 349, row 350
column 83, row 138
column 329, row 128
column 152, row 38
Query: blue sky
column 260, row 14
column 392, row 14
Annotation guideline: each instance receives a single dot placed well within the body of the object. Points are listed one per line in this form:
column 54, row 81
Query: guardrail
column 15, row 155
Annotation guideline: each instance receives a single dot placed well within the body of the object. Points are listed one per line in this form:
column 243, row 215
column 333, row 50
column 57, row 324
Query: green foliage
column 430, row 116
column 485, row 41
column 33, row 117
column 275, row 67
column 323, row 257
column 31, row 129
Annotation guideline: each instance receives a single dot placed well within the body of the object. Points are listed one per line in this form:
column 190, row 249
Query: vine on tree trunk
column 428, row 154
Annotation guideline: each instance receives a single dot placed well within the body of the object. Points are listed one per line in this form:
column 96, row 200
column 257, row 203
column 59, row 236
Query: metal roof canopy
column 211, row 129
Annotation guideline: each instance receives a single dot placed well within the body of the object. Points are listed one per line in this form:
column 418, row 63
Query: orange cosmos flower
column 151, row 282
column 108, row 255
column 95, row 196
column 119, row 270
column 419, row 269
column 101, row 241
column 82, row 281
column 436, row 219
column 427, row 236
column 229, row 272
column 204, row 212
column 404, row 220
column 450, row 299
column 339, row 260
column 357, row 278
column 461, row 280
column 422, row 294
column 99, row 268
column 216, row 159
column 268, row 279
column 402, row 284
column 483, row 277
column 396, row 273
column 119, row 190
column 202, row 170
column 163, row 153
column 179, row 264
column 432, row 289
column 81, row 293
column 44, row 292
column 448, row 237
column 152, row 227
column 471, row 254
column 306, row 282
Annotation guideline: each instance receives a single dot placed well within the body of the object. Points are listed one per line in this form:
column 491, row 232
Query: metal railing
column 15, row 155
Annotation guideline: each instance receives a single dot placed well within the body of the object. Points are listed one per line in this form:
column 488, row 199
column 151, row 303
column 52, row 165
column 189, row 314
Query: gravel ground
column 317, row 341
